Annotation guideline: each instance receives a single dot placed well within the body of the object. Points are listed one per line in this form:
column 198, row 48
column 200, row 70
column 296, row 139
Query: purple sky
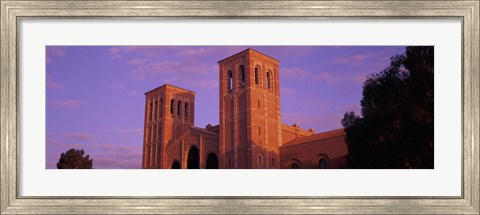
column 95, row 97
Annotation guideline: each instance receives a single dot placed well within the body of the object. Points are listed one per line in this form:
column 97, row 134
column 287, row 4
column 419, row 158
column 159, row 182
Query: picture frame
column 12, row 11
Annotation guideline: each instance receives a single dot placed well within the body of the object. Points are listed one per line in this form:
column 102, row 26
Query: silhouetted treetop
column 74, row 159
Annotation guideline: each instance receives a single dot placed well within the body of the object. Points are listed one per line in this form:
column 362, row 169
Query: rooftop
column 169, row 85
column 316, row 137
column 248, row 50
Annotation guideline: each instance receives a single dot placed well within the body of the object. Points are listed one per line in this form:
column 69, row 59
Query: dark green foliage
column 74, row 159
column 396, row 126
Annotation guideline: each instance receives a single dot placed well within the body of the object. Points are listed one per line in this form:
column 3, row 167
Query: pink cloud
column 193, row 52
column 118, row 157
column 135, row 131
column 206, row 83
column 156, row 68
column 137, row 61
column 145, row 51
column 133, row 93
column 287, row 91
column 55, row 52
column 112, row 85
column 295, row 73
column 51, row 84
column 324, row 76
column 62, row 145
column 368, row 60
column 338, row 78
column 79, row 136
column 67, row 103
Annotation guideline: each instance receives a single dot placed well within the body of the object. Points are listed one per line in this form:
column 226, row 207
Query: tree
column 395, row 129
column 74, row 159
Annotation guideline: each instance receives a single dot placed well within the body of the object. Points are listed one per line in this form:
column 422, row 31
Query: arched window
column 242, row 73
column 186, row 110
column 322, row 161
column 268, row 79
column 322, row 164
column 256, row 75
column 155, row 110
column 259, row 130
column 230, row 80
column 260, row 161
column 172, row 102
column 176, row 165
column 178, row 107
column 294, row 164
column 259, row 103
column 150, row 112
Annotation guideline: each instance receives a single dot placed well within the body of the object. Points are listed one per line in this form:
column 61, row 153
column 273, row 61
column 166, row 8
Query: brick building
column 250, row 134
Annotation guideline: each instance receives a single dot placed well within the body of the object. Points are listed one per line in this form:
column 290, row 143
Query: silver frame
column 11, row 11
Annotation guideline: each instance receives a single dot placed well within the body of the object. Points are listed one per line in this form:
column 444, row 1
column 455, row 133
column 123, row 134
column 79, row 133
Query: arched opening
column 268, row 80
column 172, row 102
column 256, row 75
column 230, row 80
column 178, row 108
column 242, row 73
column 186, row 110
column 260, row 161
column 295, row 164
column 212, row 161
column 150, row 112
column 155, row 110
column 322, row 164
column 322, row 161
column 193, row 158
column 176, row 165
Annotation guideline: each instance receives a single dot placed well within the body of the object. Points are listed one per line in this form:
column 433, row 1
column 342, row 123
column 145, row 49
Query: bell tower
column 250, row 126
column 169, row 112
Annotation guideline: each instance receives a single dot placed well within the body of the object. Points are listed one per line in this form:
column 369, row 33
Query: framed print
column 72, row 74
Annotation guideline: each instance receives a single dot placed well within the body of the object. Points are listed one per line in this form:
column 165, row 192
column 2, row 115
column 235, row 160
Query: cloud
column 287, row 91
column 295, row 73
column 79, row 136
column 324, row 76
column 67, row 103
column 104, row 155
column 133, row 93
column 364, row 60
column 135, row 131
column 54, row 52
column 137, row 61
column 112, row 85
column 338, row 78
column 127, row 52
column 117, row 157
column 200, row 82
column 194, row 52
column 169, row 67
column 51, row 84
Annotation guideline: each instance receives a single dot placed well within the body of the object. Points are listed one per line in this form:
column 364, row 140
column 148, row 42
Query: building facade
column 250, row 134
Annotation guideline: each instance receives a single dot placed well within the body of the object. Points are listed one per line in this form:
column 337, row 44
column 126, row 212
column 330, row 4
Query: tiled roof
column 316, row 137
